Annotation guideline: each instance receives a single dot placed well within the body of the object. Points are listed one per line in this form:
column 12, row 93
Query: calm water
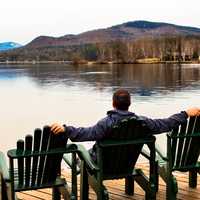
column 35, row 95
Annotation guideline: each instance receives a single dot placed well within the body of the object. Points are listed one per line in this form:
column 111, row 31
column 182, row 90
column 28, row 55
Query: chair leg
column 3, row 189
column 151, row 193
column 84, row 187
column 74, row 177
column 55, row 193
column 170, row 195
column 156, row 177
column 105, row 194
column 171, row 188
column 102, row 193
column 129, row 185
column 193, row 179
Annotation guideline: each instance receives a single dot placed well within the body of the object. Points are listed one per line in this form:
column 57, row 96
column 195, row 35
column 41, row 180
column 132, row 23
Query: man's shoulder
column 117, row 115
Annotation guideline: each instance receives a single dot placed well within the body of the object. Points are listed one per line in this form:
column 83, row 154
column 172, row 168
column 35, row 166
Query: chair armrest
column 160, row 154
column 68, row 159
column 85, row 156
column 145, row 153
column 3, row 167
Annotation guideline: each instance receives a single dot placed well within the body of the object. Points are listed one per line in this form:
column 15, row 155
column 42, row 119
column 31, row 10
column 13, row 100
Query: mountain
column 124, row 43
column 9, row 45
column 126, row 32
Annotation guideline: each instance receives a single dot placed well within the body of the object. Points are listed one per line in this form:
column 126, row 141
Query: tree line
column 173, row 48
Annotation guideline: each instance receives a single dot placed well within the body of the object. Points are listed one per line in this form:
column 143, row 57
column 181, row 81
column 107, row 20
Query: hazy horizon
column 26, row 20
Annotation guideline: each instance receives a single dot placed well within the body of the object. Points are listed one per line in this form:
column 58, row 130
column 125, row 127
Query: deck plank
column 116, row 189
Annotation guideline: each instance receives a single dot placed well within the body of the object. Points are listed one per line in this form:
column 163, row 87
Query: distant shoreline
column 99, row 62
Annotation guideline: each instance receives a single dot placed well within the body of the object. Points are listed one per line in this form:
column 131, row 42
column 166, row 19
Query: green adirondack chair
column 36, row 164
column 183, row 151
column 116, row 158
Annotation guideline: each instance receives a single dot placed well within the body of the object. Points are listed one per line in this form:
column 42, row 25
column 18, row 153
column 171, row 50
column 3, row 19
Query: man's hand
column 193, row 112
column 57, row 128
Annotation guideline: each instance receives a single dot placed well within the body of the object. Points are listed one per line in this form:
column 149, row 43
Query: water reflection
column 145, row 80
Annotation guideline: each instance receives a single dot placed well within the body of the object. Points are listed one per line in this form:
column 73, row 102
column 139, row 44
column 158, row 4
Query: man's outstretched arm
column 157, row 126
column 79, row 134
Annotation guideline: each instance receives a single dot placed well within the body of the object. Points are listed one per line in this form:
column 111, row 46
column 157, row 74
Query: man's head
column 121, row 99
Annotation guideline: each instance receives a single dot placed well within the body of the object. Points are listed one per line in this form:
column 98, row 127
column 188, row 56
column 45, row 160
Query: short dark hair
column 121, row 99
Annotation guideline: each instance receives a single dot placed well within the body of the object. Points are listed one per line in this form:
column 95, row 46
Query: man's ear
column 114, row 104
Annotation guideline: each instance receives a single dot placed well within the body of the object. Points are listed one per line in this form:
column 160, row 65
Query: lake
column 35, row 95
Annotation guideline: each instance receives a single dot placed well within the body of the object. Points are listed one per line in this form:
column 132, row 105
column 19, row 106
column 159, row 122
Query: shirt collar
column 121, row 112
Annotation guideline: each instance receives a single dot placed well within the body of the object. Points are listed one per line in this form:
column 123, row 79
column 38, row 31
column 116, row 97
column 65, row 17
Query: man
column 121, row 103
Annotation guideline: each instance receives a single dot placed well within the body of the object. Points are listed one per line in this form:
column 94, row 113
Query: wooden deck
column 116, row 189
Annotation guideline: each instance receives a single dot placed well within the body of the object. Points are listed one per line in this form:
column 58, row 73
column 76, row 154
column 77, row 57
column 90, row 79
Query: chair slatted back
column 28, row 149
column 194, row 147
column 44, row 147
column 35, row 167
column 53, row 162
column 119, row 158
column 36, row 149
column 184, row 142
column 20, row 150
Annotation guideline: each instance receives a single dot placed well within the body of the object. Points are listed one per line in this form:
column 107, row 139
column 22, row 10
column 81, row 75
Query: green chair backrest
column 183, row 145
column 119, row 152
column 37, row 160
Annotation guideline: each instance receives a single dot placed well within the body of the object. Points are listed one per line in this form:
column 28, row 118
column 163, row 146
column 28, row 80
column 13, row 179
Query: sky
column 22, row 21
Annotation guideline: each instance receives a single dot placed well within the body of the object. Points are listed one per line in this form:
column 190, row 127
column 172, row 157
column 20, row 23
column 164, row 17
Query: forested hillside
column 125, row 43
